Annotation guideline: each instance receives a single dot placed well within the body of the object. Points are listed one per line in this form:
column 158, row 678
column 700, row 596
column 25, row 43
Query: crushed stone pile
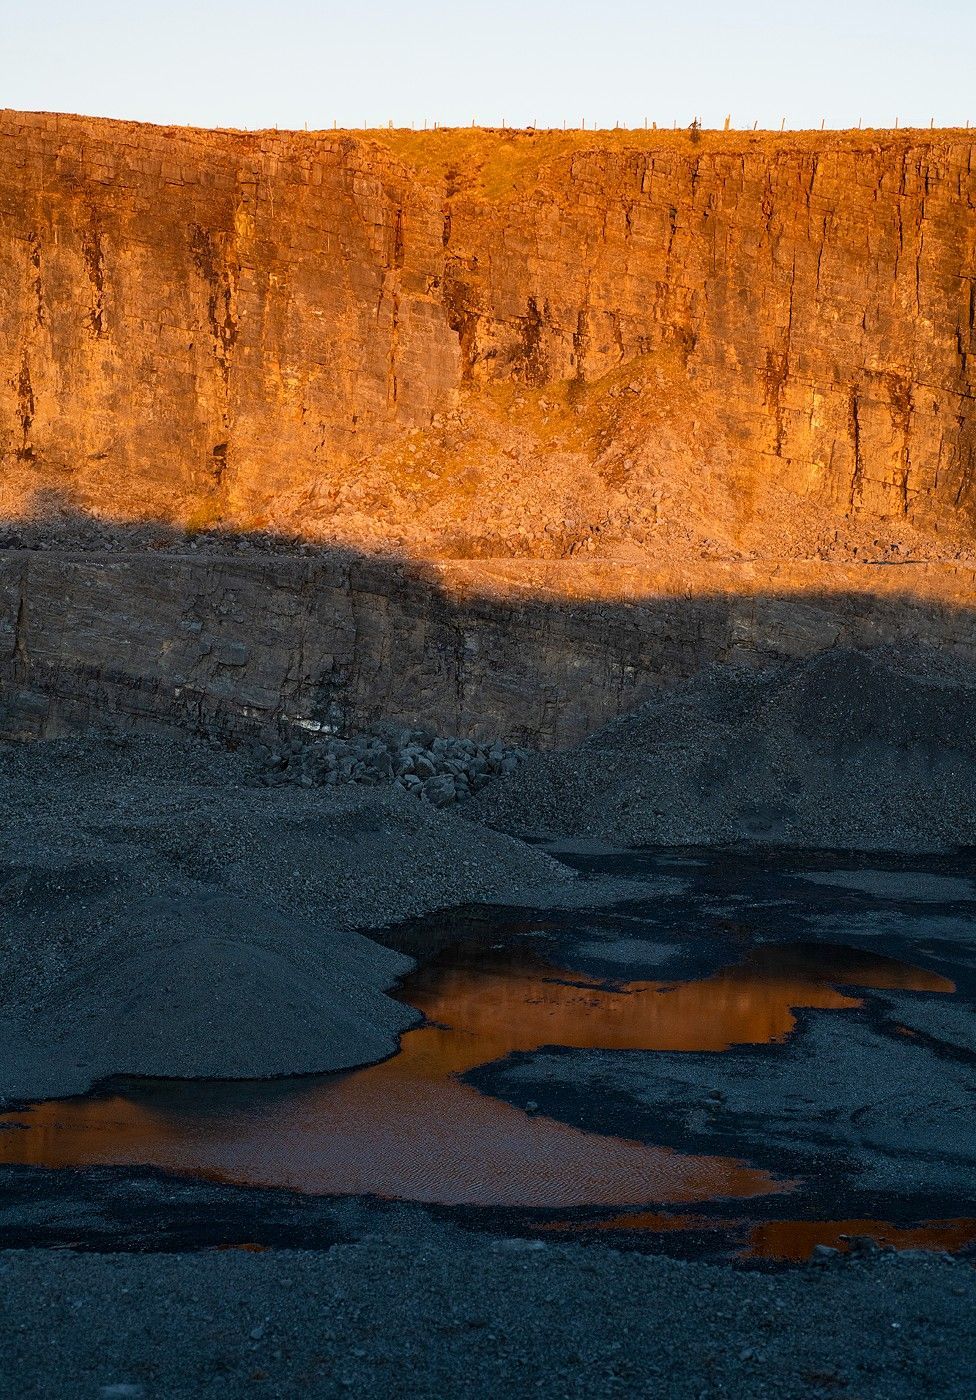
column 162, row 913
column 440, row 771
column 196, row 983
column 847, row 749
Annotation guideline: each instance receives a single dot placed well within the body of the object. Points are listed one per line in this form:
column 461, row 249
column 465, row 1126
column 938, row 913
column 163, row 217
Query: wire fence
column 695, row 127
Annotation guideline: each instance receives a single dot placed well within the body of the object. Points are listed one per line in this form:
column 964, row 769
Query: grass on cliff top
column 499, row 162
column 496, row 162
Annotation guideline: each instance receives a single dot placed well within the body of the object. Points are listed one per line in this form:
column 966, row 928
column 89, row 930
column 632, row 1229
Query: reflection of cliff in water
column 410, row 1128
column 776, row 1240
column 797, row 1239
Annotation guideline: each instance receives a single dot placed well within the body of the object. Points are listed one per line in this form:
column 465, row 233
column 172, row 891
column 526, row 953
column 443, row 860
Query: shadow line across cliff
column 235, row 634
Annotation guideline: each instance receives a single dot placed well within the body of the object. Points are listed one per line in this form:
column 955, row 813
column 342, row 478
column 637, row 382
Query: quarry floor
column 430, row 1311
column 800, row 1021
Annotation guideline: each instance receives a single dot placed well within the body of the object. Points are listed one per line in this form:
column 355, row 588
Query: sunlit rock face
column 617, row 404
column 470, row 344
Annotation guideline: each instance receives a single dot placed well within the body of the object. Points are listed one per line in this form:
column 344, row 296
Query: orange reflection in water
column 409, row 1128
column 796, row 1239
column 787, row 1240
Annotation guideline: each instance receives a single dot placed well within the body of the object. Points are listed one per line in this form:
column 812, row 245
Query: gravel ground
column 842, row 1098
column 135, row 873
column 155, row 896
column 853, row 750
column 430, row 1311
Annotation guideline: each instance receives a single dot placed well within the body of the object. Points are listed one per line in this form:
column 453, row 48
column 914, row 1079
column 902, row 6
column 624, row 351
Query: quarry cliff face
column 474, row 343
column 542, row 652
column 568, row 415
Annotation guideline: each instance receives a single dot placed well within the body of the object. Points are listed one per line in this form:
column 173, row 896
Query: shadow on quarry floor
column 773, row 1052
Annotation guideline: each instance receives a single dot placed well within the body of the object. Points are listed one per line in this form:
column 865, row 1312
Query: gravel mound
column 203, row 984
column 147, row 813
column 845, row 749
column 161, row 912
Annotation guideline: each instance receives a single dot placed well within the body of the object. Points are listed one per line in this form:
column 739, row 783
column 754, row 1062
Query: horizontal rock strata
column 584, row 410
column 482, row 342
column 538, row 655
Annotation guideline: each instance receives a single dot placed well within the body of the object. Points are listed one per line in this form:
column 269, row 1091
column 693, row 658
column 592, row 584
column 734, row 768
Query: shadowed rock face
column 493, row 343
column 542, row 653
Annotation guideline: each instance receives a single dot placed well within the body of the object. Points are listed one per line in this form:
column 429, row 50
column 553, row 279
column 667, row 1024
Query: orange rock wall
column 494, row 343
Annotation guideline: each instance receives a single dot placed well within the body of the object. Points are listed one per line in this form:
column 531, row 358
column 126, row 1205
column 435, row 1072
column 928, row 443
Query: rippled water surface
column 414, row 1128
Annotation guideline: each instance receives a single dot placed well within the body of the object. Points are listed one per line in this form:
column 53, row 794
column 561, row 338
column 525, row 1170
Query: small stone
column 440, row 792
column 865, row 1245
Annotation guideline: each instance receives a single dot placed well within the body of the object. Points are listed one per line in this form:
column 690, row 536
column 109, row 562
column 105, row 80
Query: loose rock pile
column 439, row 771
column 845, row 750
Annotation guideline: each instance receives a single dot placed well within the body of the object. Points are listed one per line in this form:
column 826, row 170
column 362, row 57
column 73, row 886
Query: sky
column 534, row 62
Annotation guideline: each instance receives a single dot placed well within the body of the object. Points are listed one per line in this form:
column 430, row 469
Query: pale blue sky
column 252, row 63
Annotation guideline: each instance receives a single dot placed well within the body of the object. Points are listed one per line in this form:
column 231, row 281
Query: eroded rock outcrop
column 560, row 415
column 494, row 343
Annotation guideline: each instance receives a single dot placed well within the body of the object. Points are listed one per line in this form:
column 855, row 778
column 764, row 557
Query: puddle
column 910, row 885
column 778, row 1241
column 795, row 1240
column 412, row 1129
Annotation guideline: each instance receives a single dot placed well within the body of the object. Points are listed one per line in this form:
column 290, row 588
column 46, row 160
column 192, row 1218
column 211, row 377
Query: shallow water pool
column 711, row 965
